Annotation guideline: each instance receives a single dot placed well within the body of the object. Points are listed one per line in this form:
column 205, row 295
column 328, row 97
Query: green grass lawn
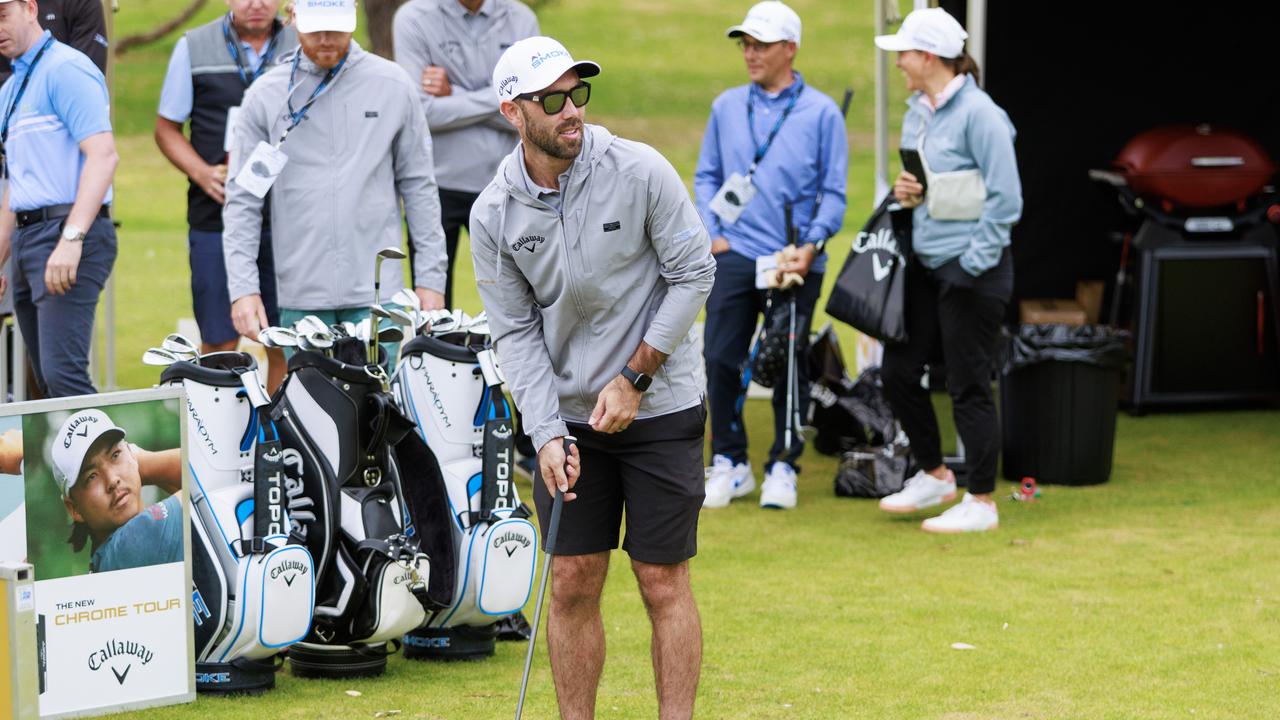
column 1153, row 596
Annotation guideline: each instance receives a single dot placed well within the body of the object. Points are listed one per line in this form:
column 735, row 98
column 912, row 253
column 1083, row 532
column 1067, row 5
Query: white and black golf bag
column 252, row 593
column 338, row 425
column 453, row 394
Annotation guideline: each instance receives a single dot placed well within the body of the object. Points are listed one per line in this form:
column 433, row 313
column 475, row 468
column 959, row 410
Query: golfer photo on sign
column 101, row 484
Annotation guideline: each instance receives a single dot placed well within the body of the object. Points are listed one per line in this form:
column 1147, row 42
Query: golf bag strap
column 269, row 497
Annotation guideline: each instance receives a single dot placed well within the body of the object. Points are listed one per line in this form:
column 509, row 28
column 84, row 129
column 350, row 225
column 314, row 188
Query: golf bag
column 465, row 437
column 252, row 590
column 338, row 425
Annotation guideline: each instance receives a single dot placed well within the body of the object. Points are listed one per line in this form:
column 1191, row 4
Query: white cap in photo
column 769, row 22
column 76, row 435
column 325, row 15
column 534, row 64
column 932, row 30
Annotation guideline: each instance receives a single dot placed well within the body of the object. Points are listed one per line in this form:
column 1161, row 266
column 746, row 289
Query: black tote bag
column 870, row 291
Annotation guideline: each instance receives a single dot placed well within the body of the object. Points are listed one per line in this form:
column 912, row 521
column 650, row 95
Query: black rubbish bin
column 1059, row 389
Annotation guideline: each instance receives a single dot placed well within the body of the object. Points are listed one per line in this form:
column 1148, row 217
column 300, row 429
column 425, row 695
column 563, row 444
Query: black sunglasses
column 553, row 102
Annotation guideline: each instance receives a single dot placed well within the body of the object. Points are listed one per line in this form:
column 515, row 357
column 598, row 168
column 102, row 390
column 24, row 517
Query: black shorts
column 653, row 470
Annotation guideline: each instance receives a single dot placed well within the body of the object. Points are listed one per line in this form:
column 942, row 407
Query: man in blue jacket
column 771, row 144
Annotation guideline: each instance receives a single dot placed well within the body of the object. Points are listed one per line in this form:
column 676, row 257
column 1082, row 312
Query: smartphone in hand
column 911, row 163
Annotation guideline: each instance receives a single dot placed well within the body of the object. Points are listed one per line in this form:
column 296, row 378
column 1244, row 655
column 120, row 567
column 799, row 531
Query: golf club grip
column 844, row 104
column 557, row 505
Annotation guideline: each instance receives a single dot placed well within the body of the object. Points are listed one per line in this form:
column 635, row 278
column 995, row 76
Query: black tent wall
column 1079, row 79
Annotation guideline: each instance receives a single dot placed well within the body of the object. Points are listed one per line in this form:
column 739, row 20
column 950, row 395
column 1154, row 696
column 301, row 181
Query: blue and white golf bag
column 339, row 427
column 253, row 591
column 453, row 393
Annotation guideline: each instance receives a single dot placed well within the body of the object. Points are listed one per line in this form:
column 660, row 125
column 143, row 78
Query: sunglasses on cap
column 553, row 102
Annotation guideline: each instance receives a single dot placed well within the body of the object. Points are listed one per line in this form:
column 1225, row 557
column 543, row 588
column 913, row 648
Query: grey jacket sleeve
column 413, row 53
column 684, row 256
column 242, row 211
column 516, row 324
column 416, row 184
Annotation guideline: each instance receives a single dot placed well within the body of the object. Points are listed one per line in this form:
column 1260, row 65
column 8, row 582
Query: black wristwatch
column 638, row 380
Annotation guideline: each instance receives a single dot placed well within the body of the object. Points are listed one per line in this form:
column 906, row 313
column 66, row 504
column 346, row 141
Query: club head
column 319, row 341
column 392, row 253
column 311, row 324
column 407, row 298
column 180, row 344
column 159, row 357
column 400, row 317
column 379, row 312
column 349, row 328
column 278, row 337
column 361, row 330
column 304, row 342
column 391, row 334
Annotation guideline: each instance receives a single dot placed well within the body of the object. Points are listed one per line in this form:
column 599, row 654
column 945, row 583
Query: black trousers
column 954, row 317
column 455, row 214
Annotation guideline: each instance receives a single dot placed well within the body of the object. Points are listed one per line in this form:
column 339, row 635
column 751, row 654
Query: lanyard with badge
column 732, row 198
column 4, row 132
column 247, row 75
column 262, row 168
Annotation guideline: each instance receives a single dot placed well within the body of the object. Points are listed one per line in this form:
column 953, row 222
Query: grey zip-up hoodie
column 362, row 149
column 571, row 293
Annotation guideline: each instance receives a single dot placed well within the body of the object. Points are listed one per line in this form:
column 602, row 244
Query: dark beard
column 548, row 140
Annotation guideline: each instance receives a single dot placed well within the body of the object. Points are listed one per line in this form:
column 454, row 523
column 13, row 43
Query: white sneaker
column 726, row 481
column 971, row 515
column 921, row 491
column 779, row 489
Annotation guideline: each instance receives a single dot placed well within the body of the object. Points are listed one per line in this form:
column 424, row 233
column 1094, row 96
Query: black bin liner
column 1059, row 390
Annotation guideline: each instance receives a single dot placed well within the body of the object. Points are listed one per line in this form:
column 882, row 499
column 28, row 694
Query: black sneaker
column 513, row 627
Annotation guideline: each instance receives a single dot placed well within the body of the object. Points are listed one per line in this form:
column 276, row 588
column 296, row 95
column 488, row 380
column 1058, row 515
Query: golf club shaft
column 553, row 529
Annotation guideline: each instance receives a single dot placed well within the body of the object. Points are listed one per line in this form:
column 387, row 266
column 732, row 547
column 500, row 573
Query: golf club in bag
column 450, row 385
column 253, row 591
column 553, row 532
column 338, row 425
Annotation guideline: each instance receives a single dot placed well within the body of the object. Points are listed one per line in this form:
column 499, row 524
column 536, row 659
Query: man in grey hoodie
column 593, row 264
column 340, row 139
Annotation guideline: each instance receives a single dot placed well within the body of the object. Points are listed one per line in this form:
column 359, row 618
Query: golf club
column 376, row 313
column 791, row 424
column 181, row 345
column 553, row 529
column 278, row 337
column 391, row 334
column 408, row 298
column 393, row 253
column 159, row 357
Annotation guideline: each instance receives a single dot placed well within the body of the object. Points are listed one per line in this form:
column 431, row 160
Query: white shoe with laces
column 779, row 489
column 920, row 491
column 971, row 515
column 726, row 481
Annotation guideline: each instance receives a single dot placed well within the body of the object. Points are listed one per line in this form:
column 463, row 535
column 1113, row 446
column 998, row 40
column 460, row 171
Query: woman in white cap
column 961, row 278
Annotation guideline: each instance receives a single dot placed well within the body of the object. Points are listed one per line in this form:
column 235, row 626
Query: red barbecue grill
column 1205, row 319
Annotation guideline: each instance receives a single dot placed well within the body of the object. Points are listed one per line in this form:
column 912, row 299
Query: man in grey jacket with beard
column 593, row 264
column 340, row 139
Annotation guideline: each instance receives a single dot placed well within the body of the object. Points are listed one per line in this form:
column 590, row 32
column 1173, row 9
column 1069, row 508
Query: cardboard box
column 1051, row 310
column 1089, row 295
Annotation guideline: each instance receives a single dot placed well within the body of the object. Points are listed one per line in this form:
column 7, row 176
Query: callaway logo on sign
column 122, row 653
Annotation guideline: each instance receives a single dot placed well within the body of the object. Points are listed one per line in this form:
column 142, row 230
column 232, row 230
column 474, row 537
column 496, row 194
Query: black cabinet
column 1206, row 324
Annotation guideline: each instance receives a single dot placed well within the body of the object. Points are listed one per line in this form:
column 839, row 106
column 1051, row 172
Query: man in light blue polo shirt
column 60, row 158
column 771, row 144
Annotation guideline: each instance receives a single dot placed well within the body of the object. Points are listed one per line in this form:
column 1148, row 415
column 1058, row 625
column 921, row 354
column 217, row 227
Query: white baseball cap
column 533, row 64
column 77, row 434
column 321, row 15
column 768, row 22
column 932, row 30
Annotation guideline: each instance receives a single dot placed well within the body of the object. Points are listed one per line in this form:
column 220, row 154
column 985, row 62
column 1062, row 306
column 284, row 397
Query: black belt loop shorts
column 654, row 471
